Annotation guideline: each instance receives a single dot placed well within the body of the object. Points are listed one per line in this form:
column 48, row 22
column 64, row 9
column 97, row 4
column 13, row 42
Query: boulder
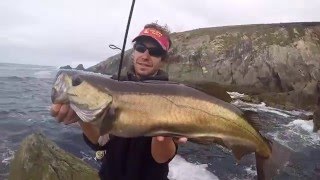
column 66, row 67
column 80, row 67
column 316, row 115
column 40, row 158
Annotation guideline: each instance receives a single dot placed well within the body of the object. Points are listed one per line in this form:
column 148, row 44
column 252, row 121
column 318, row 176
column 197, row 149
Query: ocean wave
column 7, row 156
column 180, row 169
column 297, row 135
column 21, row 78
column 305, row 130
column 263, row 107
column 45, row 74
column 235, row 95
column 16, row 78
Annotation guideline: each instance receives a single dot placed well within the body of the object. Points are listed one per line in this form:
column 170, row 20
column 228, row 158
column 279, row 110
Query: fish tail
column 269, row 168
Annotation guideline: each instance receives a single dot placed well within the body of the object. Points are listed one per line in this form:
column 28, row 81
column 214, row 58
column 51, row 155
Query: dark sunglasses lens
column 155, row 52
column 140, row 48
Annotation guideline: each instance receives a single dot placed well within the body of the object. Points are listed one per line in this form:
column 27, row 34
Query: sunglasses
column 153, row 51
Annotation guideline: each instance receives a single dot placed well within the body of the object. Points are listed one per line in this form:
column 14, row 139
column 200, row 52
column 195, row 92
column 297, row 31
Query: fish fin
column 211, row 88
column 108, row 119
column 239, row 151
column 253, row 119
column 269, row 168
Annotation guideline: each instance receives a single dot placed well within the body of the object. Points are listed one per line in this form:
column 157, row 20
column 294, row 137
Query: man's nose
column 146, row 54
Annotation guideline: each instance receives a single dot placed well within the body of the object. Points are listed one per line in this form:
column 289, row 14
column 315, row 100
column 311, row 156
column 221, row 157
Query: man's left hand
column 180, row 140
column 164, row 148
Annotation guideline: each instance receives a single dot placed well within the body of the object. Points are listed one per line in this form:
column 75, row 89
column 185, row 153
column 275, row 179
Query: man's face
column 144, row 63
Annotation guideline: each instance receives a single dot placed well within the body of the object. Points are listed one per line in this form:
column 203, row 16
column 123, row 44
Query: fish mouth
column 58, row 98
column 59, row 89
column 53, row 95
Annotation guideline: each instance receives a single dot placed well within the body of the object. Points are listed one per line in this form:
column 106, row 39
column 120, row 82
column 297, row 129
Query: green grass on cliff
column 261, row 35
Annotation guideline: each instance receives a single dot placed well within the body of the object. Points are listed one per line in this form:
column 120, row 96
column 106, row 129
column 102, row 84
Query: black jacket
column 130, row 158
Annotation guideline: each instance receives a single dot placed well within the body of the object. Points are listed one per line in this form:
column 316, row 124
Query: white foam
column 234, row 95
column 43, row 74
column 270, row 110
column 239, row 102
column 297, row 135
column 180, row 169
column 250, row 171
column 300, row 112
column 263, row 107
column 7, row 157
column 306, row 125
column 85, row 156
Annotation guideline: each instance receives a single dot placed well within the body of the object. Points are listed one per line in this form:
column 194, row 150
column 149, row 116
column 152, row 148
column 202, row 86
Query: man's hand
column 163, row 148
column 63, row 113
column 180, row 140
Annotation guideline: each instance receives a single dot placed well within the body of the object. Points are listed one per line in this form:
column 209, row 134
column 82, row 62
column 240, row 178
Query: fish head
column 88, row 100
column 59, row 90
column 84, row 95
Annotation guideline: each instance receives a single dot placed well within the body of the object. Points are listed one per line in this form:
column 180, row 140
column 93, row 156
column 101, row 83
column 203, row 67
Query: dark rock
column 40, row 158
column 317, row 168
column 306, row 117
column 316, row 120
column 80, row 67
column 66, row 67
column 111, row 65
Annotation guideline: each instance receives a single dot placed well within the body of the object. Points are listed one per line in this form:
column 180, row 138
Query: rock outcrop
column 66, row 67
column 316, row 113
column 40, row 158
column 278, row 63
column 80, row 67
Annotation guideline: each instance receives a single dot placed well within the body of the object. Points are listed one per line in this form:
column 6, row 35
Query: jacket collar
column 131, row 76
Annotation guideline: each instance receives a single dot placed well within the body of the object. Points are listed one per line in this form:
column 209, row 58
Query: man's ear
column 165, row 58
column 162, row 63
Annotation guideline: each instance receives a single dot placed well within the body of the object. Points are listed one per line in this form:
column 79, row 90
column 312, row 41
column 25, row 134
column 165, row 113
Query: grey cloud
column 63, row 32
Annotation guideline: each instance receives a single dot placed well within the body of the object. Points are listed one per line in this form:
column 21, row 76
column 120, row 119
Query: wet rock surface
column 40, row 158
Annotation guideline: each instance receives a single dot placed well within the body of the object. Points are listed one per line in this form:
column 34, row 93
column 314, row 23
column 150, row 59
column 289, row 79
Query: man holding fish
column 143, row 111
column 138, row 157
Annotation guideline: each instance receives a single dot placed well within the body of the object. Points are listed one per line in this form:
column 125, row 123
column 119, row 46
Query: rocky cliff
column 275, row 63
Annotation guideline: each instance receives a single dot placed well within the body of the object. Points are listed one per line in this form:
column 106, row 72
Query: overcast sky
column 61, row 32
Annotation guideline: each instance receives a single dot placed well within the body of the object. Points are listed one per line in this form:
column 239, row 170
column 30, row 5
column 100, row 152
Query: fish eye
column 76, row 81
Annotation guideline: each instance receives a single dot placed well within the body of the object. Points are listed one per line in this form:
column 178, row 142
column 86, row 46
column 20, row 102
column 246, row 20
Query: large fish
column 152, row 108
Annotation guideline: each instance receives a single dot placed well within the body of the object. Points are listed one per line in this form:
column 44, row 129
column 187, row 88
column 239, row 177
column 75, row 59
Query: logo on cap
column 153, row 32
column 157, row 35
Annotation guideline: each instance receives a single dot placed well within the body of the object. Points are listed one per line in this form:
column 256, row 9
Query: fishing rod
column 124, row 41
